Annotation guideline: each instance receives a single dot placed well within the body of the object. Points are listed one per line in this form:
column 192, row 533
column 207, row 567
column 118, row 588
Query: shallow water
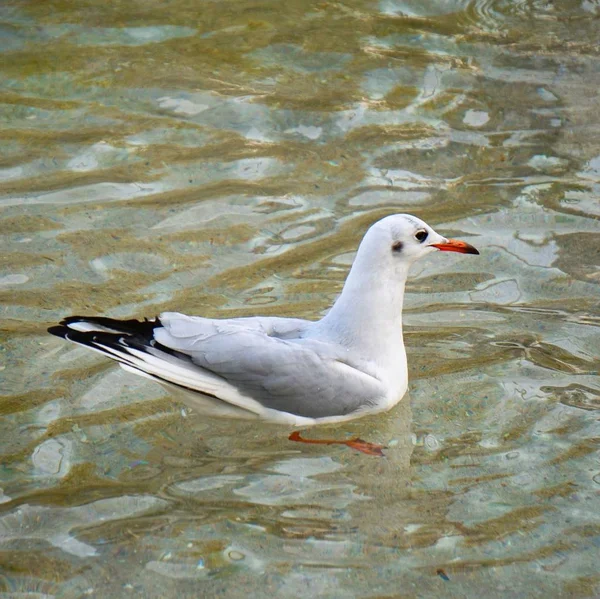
column 224, row 158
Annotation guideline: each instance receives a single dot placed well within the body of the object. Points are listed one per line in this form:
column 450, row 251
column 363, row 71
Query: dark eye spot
column 397, row 246
column 421, row 235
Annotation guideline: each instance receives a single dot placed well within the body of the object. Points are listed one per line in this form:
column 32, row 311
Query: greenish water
column 224, row 158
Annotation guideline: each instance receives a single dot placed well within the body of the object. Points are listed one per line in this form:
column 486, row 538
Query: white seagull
column 292, row 371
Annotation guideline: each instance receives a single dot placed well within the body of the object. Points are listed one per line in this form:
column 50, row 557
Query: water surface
column 224, row 159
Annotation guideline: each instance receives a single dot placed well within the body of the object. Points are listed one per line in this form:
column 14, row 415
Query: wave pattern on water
column 225, row 160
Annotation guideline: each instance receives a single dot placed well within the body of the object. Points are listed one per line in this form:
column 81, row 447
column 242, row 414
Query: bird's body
column 288, row 370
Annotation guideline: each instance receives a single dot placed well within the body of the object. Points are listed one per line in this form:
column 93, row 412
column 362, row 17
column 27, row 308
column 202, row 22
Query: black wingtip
column 132, row 326
column 59, row 330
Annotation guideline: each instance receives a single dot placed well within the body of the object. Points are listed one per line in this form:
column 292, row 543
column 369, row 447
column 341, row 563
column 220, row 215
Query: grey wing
column 288, row 375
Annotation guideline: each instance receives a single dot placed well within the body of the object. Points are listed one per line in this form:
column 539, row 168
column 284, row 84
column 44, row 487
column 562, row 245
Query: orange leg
column 356, row 443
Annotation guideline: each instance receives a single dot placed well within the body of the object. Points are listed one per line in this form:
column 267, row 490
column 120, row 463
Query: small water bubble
column 236, row 556
column 476, row 118
column 596, row 478
column 523, row 480
column 512, row 455
column 14, row 279
column 431, row 443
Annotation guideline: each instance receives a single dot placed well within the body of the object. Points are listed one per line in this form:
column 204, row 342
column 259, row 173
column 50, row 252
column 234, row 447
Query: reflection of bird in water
column 350, row 363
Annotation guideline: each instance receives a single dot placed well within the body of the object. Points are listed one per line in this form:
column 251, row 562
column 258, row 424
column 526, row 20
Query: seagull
column 290, row 371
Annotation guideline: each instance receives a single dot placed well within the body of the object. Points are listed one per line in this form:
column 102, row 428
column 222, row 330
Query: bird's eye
column 421, row 235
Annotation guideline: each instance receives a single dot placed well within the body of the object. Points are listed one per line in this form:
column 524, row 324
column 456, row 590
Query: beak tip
column 455, row 245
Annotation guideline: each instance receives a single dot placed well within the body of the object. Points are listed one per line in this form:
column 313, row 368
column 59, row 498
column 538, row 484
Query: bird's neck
column 368, row 314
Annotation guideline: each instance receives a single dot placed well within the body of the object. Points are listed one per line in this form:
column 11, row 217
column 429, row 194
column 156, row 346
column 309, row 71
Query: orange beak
column 455, row 245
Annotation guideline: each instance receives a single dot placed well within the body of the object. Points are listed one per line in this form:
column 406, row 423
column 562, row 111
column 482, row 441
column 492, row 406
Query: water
column 224, row 158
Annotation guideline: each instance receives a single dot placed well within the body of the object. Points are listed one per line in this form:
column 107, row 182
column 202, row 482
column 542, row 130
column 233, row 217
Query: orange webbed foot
column 356, row 443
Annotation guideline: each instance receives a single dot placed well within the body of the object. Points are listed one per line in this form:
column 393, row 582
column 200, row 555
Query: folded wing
column 266, row 362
